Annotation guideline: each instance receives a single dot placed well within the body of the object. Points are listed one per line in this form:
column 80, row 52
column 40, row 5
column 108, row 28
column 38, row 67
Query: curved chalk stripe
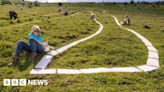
column 152, row 61
column 153, row 57
column 45, row 60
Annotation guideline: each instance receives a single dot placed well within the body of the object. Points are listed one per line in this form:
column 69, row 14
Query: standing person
column 34, row 46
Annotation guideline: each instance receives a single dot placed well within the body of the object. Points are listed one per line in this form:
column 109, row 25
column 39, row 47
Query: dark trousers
column 33, row 46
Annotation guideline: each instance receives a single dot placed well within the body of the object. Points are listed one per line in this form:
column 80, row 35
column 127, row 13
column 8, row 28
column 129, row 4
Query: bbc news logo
column 23, row 82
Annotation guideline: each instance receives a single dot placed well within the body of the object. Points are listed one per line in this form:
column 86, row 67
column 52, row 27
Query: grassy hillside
column 113, row 47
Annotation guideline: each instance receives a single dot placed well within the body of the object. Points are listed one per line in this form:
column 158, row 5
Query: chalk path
column 152, row 60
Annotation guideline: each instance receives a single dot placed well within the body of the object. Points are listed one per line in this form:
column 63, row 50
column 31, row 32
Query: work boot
column 32, row 57
column 15, row 61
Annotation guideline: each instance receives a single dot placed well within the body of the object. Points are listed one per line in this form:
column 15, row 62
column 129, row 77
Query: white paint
column 53, row 53
column 117, row 69
column 153, row 55
column 44, row 62
column 147, row 68
column 152, row 60
column 68, row 71
column 150, row 48
column 43, row 71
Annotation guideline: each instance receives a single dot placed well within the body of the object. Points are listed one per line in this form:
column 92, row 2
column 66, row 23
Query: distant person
column 126, row 21
column 13, row 14
column 35, row 45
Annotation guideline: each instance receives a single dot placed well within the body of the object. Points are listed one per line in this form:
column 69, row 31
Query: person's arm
column 40, row 39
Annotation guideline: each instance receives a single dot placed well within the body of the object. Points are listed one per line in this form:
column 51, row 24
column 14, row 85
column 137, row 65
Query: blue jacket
column 32, row 36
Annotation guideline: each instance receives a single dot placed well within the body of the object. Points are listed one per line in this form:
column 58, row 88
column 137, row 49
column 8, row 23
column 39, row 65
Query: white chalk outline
column 152, row 60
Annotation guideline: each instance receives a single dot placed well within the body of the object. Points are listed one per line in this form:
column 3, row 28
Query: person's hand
column 45, row 43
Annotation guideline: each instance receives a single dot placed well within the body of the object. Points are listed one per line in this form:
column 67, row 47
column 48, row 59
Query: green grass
column 113, row 47
column 110, row 48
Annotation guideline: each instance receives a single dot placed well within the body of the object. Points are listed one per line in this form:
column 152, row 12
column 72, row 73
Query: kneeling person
column 126, row 21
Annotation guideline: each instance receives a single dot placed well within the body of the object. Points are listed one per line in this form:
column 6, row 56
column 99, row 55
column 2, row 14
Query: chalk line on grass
column 152, row 60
